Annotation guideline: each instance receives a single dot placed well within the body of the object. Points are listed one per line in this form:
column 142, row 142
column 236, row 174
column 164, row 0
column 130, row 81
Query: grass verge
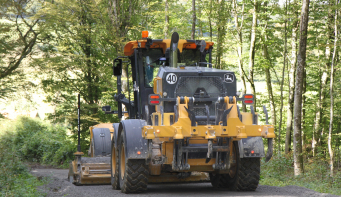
column 279, row 171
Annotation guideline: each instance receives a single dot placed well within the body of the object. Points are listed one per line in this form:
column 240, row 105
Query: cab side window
column 151, row 64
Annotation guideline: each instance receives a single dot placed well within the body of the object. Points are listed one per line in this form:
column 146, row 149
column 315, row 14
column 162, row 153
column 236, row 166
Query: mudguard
column 102, row 141
column 114, row 137
column 136, row 147
column 247, row 145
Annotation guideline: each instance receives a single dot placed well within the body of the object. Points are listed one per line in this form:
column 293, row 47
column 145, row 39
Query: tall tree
column 20, row 32
column 75, row 60
column 239, row 30
column 325, row 73
column 210, row 20
column 295, row 24
column 253, row 50
column 199, row 19
column 318, row 108
column 223, row 11
column 166, row 29
column 282, row 80
column 122, row 16
column 194, row 18
column 267, row 67
column 330, row 150
column 301, row 63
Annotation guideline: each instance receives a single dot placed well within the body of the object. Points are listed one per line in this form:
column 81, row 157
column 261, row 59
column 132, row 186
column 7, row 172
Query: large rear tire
column 114, row 166
column 244, row 173
column 248, row 175
column 133, row 173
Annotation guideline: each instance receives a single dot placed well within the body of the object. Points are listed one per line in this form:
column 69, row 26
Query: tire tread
column 136, row 178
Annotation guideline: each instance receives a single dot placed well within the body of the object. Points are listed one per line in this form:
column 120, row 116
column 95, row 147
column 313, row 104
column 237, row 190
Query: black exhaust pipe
column 173, row 56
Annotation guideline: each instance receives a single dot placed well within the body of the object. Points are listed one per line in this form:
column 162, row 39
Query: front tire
column 114, row 167
column 133, row 173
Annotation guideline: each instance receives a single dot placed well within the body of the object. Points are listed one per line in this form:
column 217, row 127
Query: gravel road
column 59, row 186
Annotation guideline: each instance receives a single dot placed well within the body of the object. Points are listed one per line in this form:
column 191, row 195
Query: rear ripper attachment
column 232, row 125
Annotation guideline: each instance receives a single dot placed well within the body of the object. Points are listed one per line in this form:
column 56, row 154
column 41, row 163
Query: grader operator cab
column 184, row 122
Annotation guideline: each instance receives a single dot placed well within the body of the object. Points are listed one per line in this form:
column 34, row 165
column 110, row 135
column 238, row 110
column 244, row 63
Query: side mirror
column 117, row 67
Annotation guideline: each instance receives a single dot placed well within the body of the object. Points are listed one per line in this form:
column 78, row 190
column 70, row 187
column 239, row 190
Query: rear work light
column 154, row 99
column 248, row 99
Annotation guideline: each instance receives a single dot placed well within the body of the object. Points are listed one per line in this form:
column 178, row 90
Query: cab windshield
column 190, row 57
column 154, row 58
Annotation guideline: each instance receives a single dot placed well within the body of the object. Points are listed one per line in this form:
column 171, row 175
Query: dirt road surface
column 59, row 186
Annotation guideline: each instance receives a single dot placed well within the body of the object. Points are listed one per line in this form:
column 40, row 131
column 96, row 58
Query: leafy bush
column 28, row 139
column 15, row 180
column 38, row 141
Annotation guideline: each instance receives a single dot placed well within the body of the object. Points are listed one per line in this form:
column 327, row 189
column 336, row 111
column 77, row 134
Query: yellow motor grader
column 183, row 123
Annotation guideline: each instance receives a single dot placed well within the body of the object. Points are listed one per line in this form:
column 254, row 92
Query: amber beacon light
column 144, row 34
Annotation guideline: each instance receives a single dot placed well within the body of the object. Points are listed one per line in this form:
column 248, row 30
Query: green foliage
column 279, row 171
column 76, row 60
column 38, row 141
column 19, row 35
column 15, row 179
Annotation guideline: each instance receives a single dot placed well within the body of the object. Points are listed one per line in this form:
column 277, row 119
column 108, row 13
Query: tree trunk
column 330, row 150
column 240, row 46
column 210, row 20
column 282, row 81
column 317, row 121
column 325, row 77
column 166, row 29
column 252, row 51
column 301, row 62
column 269, row 88
column 222, row 18
column 201, row 34
column 318, row 104
column 304, row 90
column 218, row 49
column 194, row 19
column 291, row 83
column 268, row 74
